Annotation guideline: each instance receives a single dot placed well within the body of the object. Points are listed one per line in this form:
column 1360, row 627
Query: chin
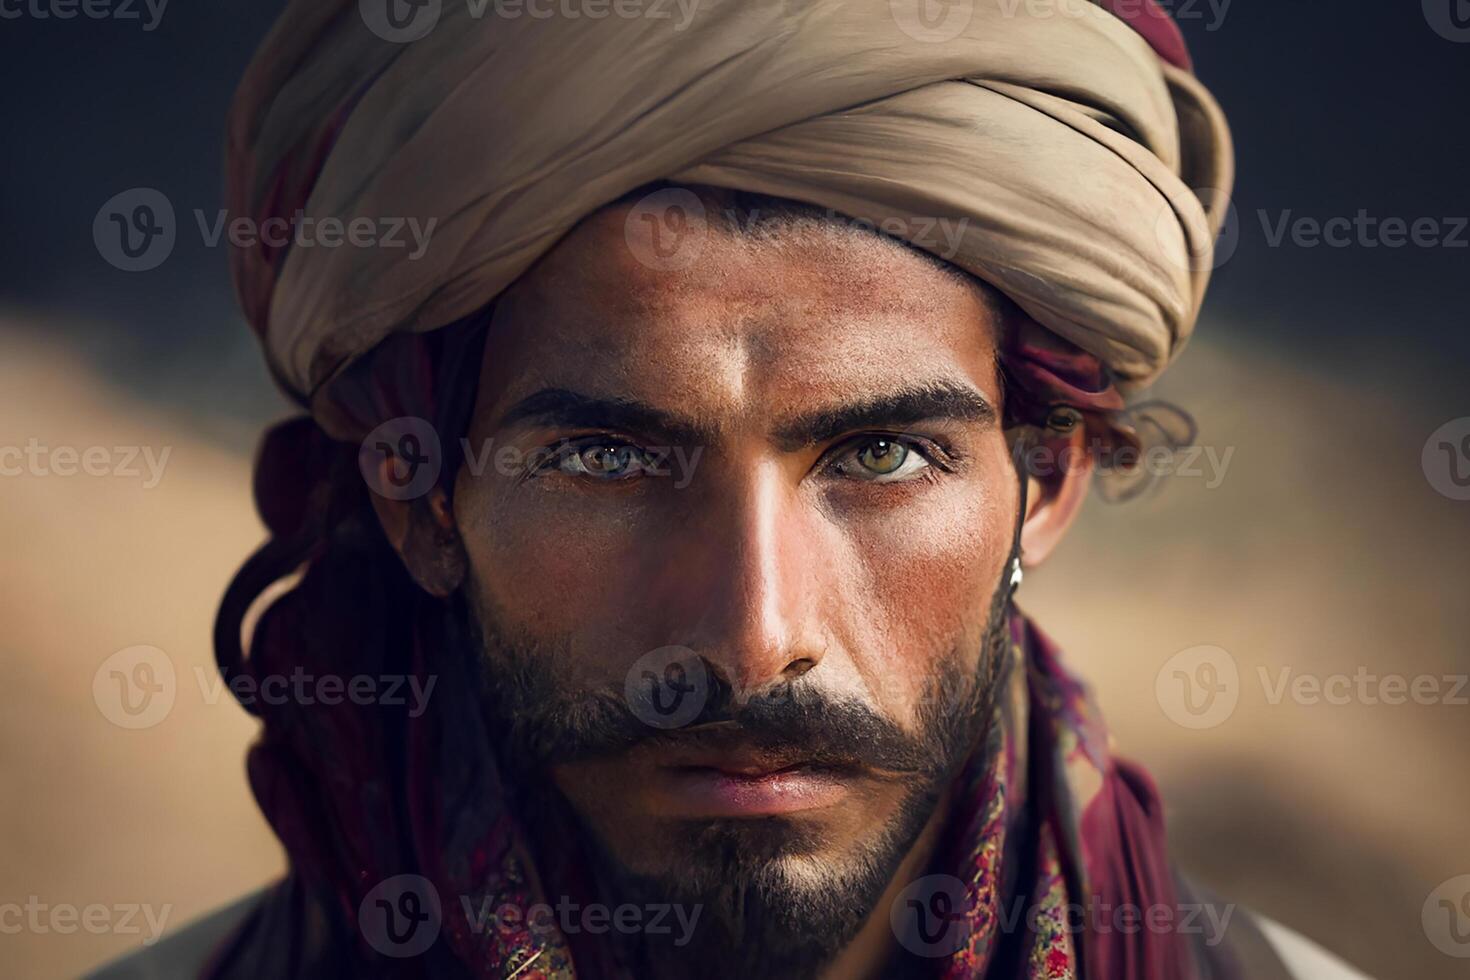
column 778, row 896
column 775, row 898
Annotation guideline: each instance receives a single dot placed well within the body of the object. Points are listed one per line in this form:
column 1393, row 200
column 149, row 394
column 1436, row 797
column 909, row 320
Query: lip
column 733, row 789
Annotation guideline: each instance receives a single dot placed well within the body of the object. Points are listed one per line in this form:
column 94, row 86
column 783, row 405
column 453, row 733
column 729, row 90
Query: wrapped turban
column 1085, row 165
column 1062, row 137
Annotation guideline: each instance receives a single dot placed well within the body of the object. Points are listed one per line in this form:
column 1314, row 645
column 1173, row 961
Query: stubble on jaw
column 776, row 899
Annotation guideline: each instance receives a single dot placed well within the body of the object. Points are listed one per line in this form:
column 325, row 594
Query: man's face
column 822, row 546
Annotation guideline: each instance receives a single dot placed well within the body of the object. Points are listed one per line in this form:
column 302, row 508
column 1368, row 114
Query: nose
column 750, row 582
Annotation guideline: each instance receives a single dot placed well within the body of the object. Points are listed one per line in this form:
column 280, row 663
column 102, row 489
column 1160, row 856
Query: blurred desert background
column 1322, row 547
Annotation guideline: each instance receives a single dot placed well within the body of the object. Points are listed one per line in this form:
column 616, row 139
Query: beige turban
column 1074, row 159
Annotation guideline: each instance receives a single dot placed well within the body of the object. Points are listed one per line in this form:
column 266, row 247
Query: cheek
column 919, row 581
column 937, row 554
column 890, row 584
column 556, row 563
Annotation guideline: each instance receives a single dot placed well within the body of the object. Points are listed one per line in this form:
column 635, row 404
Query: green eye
column 607, row 460
column 603, row 461
column 883, row 456
column 881, row 459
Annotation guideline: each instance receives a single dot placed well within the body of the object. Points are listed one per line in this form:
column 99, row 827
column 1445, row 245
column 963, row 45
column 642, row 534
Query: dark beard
column 754, row 920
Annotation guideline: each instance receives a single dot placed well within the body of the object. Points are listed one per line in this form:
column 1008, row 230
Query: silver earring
column 1016, row 574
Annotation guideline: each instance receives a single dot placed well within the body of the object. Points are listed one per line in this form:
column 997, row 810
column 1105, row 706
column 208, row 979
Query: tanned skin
column 802, row 546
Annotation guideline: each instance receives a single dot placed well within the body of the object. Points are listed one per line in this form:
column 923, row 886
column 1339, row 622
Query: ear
column 1055, row 490
column 423, row 532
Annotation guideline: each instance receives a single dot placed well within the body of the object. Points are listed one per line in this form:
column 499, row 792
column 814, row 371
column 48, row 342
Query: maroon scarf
column 360, row 794
column 1048, row 833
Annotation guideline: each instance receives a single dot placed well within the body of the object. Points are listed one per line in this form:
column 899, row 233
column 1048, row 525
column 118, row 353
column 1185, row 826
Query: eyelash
column 934, row 453
column 567, row 449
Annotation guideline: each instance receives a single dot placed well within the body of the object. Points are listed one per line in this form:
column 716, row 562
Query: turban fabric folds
column 1083, row 162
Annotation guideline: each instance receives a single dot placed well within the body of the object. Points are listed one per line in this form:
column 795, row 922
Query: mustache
column 540, row 720
column 549, row 725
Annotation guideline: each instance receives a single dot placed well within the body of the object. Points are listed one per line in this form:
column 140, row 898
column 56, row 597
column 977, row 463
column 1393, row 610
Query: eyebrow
column 939, row 400
column 560, row 407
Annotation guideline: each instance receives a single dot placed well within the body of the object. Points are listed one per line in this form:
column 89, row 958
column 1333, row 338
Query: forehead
column 768, row 320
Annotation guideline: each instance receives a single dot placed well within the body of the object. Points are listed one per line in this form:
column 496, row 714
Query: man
column 691, row 471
